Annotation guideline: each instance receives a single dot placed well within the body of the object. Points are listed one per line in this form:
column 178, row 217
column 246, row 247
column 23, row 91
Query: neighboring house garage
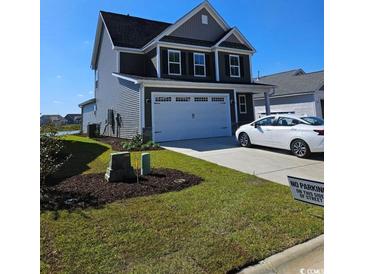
column 88, row 114
column 296, row 92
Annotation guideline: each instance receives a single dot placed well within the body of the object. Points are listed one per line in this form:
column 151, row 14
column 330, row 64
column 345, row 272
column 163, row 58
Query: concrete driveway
column 271, row 164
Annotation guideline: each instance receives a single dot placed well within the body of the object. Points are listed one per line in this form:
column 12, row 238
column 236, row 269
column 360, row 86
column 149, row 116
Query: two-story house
column 190, row 79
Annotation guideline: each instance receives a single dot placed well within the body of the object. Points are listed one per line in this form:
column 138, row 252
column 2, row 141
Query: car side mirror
column 255, row 125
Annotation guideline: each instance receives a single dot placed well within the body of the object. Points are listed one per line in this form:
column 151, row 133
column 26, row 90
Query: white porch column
column 216, row 57
column 158, row 61
column 267, row 103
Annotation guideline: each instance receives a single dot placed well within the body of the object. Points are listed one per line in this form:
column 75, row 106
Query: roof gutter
column 181, row 84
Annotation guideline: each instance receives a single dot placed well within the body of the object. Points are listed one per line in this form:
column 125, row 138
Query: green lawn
column 68, row 127
column 229, row 220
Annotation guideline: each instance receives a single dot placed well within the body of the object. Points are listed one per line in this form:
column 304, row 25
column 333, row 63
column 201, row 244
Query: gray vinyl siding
column 194, row 29
column 299, row 104
column 224, row 74
column 319, row 96
column 114, row 93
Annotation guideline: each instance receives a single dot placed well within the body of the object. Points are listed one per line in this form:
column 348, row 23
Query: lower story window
column 201, row 99
column 242, row 103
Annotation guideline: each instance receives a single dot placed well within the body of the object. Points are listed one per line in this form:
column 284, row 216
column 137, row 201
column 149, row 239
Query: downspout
column 141, row 109
column 267, row 101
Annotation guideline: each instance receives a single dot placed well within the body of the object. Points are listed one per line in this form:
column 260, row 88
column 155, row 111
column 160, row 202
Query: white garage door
column 178, row 116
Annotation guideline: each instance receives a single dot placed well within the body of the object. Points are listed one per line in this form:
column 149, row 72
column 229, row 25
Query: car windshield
column 268, row 121
column 286, row 121
column 315, row 121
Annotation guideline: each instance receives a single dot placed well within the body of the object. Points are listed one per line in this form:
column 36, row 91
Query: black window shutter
column 226, row 65
column 190, row 63
column 207, row 65
column 241, row 67
column 183, row 63
column 164, row 62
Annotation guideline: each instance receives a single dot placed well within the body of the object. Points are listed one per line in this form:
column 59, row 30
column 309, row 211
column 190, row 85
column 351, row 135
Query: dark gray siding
column 187, row 66
column 151, row 64
column 132, row 63
column 194, row 28
column 147, row 131
column 249, row 116
column 224, row 73
column 232, row 38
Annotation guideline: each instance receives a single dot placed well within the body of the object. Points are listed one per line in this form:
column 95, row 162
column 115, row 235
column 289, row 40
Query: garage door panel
column 190, row 116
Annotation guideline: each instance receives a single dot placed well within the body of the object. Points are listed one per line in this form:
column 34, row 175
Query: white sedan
column 285, row 132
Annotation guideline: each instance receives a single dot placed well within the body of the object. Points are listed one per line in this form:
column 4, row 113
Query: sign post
column 307, row 191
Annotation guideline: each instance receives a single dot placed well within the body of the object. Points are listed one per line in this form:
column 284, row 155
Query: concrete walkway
column 271, row 164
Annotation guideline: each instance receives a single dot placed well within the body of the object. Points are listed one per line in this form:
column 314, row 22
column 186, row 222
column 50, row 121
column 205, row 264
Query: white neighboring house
column 88, row 113
column 296, row 92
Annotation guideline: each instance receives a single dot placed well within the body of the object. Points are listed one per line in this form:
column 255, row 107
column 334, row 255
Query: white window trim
column 236, row 66
column 239, row 103
column 96, row 78
column 205, row 73
column 168, row 61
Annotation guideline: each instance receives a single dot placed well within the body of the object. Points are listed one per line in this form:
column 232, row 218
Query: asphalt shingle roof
column 130, row 31
column 293, row 81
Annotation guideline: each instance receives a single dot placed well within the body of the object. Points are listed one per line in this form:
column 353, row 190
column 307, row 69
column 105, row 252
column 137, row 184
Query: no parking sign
column 307, row 191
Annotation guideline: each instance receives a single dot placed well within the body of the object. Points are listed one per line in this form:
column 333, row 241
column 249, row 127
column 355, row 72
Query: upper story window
column 234, row 65
column 199, row 64
column 204, row 19
column 242, row 103
column 174, row 60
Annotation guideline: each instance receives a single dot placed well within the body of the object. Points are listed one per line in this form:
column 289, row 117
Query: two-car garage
column 178, row 116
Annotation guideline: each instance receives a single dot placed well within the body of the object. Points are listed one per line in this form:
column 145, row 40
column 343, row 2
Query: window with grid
column 242, row 103
column 174, row 62
column 199, row 64
column 217, row 99
column 234, row 65
column 201, row 99
column 182, row 99
column 163, row 99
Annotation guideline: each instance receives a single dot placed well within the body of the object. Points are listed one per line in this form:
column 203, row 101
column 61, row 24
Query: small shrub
column 156, row 145
column 136, row 143
column 52, row 156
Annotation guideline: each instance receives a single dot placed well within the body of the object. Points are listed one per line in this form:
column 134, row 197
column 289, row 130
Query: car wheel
column 300, row 148
column 244, row 140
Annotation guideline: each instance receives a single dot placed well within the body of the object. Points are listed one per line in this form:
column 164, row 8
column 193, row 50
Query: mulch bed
column 116, row 143
column 92, row 190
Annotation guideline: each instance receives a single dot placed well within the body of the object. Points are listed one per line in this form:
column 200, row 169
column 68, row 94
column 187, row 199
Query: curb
column 268, row 265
